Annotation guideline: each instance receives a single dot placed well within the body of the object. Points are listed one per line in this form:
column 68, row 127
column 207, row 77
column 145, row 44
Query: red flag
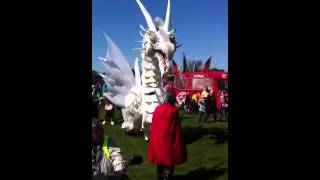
column 185, row 65
column 206, row 66
column 176, row 69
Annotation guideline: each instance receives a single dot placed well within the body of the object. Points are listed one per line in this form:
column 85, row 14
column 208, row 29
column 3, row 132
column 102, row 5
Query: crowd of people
column 205, row 103
column 101, row 104
column 166, row 147
column 107, row 159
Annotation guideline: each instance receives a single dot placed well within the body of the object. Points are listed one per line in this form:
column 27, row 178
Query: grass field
column 207, row 148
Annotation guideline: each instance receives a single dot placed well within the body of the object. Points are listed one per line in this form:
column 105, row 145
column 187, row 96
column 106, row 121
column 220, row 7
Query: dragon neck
column 151, row 76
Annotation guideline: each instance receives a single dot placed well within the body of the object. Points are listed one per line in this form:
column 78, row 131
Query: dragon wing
column 119, row 77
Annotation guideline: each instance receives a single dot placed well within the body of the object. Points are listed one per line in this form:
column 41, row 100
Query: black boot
column 159, row 174
column 168, row 173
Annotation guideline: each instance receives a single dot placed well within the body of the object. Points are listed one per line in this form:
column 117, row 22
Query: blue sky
column 201, row 28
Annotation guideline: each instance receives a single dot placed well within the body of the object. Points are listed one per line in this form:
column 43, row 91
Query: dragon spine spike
column 167, row 21
column 137, row 73
column 141, row 34
column 147, row 16
column 178, row 45
column 101, row 58
column 172, row 31
column 142, row 28
column 137, row 49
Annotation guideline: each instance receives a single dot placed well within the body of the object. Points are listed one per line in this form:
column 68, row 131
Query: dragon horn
column 167, row 21
column 147, row 16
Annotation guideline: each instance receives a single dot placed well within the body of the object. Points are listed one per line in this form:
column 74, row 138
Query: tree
column 216, row 69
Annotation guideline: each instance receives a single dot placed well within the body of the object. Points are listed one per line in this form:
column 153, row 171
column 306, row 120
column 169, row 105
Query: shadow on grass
column 137, row 133
column 203, row 173
column 192, row 134
column 185, row 117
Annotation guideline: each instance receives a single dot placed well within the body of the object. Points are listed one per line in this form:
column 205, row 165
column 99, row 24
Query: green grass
column 207, row 148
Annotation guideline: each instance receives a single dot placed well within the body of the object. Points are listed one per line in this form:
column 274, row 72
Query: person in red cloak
column 166, row 147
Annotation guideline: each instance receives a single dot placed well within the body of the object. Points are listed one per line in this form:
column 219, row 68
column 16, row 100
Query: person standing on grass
column 187, row 103
column 166, row 148
column 203, row 114
column 194, row 100
column 211, row 105
column 95, row 102
column 193, row 104
column 226, row 104
column 221, row 98
column 107, row 158
column 109, row 110
column 202, row 110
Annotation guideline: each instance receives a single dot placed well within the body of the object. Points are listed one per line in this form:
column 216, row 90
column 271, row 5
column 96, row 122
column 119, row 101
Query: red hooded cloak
column 166, row 146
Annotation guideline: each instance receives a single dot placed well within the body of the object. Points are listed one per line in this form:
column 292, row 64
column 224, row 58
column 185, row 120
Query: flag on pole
column 194, row 65
column 206, row 66
column 176, row 69
column 185, row 65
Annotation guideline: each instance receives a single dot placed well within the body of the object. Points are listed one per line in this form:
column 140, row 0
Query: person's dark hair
column 170, row 98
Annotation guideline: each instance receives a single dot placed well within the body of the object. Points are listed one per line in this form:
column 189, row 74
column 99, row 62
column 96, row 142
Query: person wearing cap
column 106, row 156
column 166, row 148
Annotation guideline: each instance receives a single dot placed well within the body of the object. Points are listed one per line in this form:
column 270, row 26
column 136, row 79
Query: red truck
column 194, row 82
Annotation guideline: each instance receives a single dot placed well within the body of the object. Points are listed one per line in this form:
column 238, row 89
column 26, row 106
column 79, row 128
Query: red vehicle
column 194, row 82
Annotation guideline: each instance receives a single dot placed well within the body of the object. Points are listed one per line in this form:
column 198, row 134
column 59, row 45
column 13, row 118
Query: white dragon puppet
column 139, row 95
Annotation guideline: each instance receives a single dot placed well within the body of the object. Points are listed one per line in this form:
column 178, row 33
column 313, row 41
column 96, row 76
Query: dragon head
column 158, row 45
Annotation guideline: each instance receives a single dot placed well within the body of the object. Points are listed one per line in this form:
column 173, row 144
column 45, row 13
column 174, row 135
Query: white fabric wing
column 119, row 77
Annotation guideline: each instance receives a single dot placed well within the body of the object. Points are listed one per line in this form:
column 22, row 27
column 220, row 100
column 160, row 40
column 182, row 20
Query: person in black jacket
column 211, row 106
column 187, row 103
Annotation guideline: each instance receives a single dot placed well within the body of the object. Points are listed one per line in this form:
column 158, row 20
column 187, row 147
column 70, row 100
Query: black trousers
column 165, row 173
column 214, row 114
column 203, row 116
